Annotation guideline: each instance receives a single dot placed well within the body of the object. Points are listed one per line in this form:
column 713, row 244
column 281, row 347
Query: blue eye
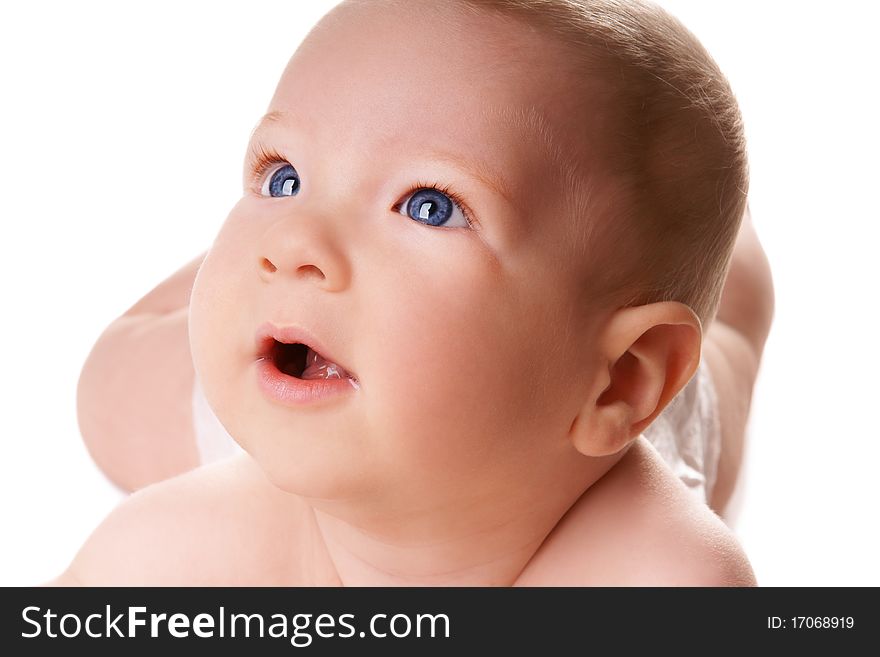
column 434, row 208
column 283, row 182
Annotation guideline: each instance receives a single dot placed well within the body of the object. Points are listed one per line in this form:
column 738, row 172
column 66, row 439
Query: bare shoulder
column 640, row 526
column 217, row 525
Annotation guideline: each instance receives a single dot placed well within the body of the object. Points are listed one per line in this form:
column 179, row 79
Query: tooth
column 325, row 370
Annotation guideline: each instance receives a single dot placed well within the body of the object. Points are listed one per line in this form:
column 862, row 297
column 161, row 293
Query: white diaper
column 687, row 433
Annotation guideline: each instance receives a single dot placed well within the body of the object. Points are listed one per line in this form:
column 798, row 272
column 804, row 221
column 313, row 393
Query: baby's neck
column 486, row 544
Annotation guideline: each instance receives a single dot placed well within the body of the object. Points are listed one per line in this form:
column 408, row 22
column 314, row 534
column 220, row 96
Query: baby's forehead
column 479, row 91
column 425, row 64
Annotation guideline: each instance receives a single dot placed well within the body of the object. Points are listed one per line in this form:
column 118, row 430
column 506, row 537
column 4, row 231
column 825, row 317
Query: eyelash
column 263, row 159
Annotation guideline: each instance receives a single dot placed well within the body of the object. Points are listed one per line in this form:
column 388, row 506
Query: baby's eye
column 283, row 181
column 434, row 208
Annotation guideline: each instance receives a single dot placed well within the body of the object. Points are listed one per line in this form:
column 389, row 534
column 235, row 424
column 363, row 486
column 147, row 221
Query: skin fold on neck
column 488, row 543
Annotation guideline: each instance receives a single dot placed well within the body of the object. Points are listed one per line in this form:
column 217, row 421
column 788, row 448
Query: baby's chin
column 317, row 473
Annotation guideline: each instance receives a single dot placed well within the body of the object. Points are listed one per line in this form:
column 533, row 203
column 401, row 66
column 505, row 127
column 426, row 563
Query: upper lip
column 268, row 333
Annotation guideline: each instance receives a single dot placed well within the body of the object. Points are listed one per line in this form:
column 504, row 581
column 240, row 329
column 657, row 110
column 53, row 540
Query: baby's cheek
column 202, row 323
column 453, row 388
column 213, row 319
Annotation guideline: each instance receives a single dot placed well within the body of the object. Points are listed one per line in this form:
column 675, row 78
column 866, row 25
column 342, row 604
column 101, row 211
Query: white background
column 123, row 128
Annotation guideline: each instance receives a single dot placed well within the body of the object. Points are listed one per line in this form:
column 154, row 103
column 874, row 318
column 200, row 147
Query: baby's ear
column 646, row 355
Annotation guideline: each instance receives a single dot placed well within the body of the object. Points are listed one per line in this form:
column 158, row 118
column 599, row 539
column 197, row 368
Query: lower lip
column 290, row 391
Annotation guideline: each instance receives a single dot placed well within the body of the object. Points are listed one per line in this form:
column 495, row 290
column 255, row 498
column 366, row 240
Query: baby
column 478, row 245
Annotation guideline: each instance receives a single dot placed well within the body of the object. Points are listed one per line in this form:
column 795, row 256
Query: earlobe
column 647, row 354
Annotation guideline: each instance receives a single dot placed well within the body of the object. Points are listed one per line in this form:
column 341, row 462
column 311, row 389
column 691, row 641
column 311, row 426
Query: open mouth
column 289, row 358
column 302, row 362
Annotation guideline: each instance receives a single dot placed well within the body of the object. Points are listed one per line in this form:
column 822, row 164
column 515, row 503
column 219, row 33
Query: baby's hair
column 672, row 141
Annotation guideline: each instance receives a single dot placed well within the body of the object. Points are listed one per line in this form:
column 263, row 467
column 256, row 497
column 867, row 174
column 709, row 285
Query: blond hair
column 675, row 141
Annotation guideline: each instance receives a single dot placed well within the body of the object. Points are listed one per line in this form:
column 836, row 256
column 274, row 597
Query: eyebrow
column 269, row 118
column 476, row 169
column 528, row 120
column 275, row 116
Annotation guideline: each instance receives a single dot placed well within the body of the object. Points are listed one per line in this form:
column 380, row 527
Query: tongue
column 317, row 367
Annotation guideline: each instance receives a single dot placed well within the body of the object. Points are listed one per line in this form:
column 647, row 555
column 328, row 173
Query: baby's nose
column 301, row 248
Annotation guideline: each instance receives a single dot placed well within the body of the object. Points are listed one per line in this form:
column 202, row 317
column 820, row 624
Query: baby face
column 403, row 209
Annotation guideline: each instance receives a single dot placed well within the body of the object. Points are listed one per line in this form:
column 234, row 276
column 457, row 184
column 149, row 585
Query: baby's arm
column 733, row 346
column 135, row 390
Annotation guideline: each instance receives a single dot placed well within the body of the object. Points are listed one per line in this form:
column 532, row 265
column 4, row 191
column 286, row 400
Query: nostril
column 311, row 270
column 268, row 266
